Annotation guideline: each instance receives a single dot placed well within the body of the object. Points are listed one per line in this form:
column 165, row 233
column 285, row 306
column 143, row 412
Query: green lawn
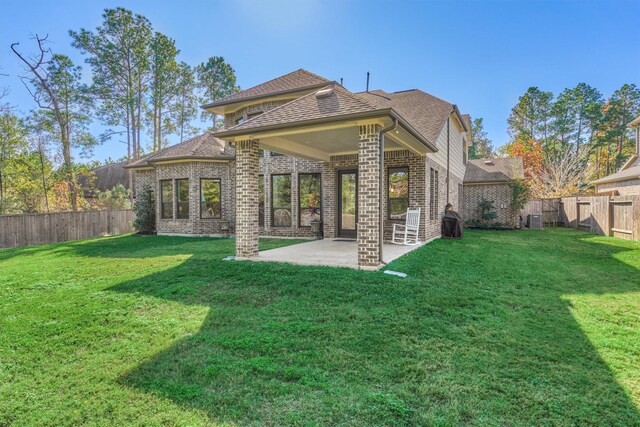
column 501, row 328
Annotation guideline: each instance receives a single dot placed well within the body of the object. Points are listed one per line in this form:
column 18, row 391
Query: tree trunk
column 44, row 179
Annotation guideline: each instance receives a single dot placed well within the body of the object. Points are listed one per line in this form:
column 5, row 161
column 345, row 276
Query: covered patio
column 346, row 134
column 330, row 253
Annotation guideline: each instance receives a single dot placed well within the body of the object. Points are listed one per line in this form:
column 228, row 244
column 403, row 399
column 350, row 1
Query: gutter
column 381, row 204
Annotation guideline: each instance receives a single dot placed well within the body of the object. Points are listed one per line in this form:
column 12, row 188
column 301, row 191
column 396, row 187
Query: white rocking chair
column 407, row 233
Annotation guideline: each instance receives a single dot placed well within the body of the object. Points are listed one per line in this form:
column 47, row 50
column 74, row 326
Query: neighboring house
column 300, row 148
column 488, row 179
column 103, row 178
column 626, row 181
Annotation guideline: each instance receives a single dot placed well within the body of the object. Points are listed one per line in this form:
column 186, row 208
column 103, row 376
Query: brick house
column 300, row 148
column 488, row 179
column 625, row 182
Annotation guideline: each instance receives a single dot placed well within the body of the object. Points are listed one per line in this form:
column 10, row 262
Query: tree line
column 569, row 140
column 139, row 91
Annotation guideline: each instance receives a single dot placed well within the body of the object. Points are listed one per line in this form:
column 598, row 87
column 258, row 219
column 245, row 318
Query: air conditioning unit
column 534, row 221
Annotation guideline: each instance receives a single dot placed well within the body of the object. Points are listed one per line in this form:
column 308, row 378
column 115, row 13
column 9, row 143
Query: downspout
column 448, row 150
column 381, row 208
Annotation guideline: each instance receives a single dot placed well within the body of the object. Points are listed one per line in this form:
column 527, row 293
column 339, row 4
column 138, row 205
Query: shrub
column 145, row 208
column 520, row 194
column 487, row 213
column 116, row 198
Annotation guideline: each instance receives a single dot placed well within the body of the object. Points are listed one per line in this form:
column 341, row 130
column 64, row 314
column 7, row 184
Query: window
column 166, row 199
column 281, row 200
column 433, row 195
column 308, row 198
column 274, row 154
column 398, row 179
column 239, row 120
column 182, row 195
column 210, row 198
column 261, row 200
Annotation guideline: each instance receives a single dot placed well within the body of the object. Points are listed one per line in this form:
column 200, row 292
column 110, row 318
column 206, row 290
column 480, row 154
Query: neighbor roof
column 104, row 178
column 624, row 175
column 494, row 170
column 204, row 147
column 292, row 82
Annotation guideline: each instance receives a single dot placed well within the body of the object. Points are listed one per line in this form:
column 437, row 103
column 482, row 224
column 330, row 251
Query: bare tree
column 563, row 174
column 54, row 84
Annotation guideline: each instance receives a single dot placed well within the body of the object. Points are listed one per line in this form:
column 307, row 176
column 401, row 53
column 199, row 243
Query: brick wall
column 283, row 165
column 144, row 178
column 499, row 193
column 194, row 171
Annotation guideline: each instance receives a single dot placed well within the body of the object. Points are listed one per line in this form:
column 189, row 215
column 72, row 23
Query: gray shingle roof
column 423, row 111
column 338, row 102
column 627, row 174
column 205, row 146
column 299, row 79
column 104, row 178
column 494, row 170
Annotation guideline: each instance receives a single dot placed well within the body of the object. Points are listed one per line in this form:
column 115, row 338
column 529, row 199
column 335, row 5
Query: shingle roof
column 337, row 102
column 205, row 146
column 299, row 79
column 423, row 111
column 104, row 178
column 624, row 175
column 494, row 170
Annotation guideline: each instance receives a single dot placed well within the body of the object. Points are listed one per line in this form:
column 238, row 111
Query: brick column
column 369, row 226
column 247, row 169
column 328, row 200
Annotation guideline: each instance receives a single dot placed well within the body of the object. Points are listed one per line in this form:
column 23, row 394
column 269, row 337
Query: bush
column 145, row 207
column 116, row 198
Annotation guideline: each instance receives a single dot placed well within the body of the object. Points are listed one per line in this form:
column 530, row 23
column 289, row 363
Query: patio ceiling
column 320, row 142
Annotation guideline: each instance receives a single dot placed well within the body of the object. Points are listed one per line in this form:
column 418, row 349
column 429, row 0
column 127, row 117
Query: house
column 626, row 181
column 103, row 178
column 300, row 148
column 488, row 179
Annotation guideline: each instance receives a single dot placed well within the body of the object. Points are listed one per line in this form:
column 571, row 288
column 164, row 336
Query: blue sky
column 480, row 55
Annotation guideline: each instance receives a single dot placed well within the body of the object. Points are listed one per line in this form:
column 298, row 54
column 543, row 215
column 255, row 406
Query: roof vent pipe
column 367, row 81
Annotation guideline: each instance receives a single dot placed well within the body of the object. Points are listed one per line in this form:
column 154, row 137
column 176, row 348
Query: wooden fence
column 38, row 229
column 617, row 216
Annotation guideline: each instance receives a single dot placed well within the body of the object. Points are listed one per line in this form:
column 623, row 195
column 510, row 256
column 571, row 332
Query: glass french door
column 347, row 203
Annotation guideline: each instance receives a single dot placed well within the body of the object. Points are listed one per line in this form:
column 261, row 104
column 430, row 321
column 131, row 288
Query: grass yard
column 501, row 328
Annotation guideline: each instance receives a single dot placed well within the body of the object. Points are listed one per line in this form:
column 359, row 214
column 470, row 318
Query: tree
column 622, row 107
column 116, row 198
column 145, row 209
column 185, row 107
column 481, row 146
column 165, row 76
column 12, row 142
column 55, row 85
column 531, row 152
column 565, row 174
column 217, row 79
column 119, row 55
column 531, row 115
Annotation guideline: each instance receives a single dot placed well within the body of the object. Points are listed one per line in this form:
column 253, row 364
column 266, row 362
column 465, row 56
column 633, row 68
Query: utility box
column 534, row 221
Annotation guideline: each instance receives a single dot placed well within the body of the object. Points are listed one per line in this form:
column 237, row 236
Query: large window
column 309, row 198
column 166, row 199
column 182, row 195
column 398, row 179
column 210, row 198
column 281, row 200
column 261, row 200
column 433, row 195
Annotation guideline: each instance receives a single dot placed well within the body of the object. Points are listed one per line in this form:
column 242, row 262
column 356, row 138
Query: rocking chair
column 407, row 233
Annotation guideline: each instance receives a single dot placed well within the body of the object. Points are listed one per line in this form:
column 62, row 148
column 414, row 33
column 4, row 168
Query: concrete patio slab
column 329, row 253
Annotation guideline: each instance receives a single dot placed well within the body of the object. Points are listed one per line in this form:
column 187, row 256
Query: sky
column 479, row 55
